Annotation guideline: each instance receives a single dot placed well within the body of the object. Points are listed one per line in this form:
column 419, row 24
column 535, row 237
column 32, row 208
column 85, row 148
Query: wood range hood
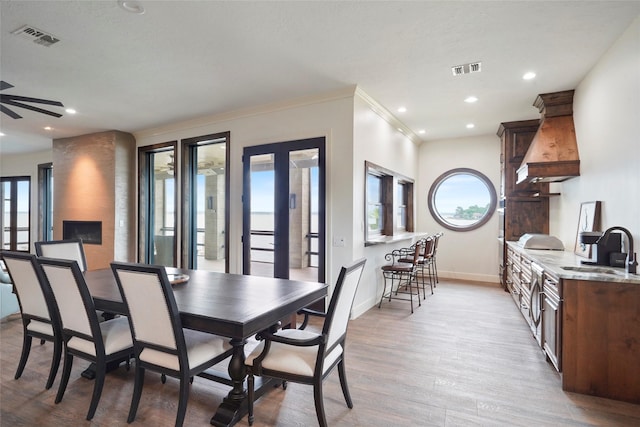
column 553, row 153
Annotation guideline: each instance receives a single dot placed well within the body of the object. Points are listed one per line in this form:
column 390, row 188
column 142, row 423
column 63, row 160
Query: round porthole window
column 462, row 199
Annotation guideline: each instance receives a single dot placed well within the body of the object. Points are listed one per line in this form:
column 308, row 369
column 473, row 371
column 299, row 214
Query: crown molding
column 383, row 112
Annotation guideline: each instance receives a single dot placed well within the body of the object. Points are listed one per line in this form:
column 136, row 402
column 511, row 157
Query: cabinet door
column 551, row 324
column 526, row 216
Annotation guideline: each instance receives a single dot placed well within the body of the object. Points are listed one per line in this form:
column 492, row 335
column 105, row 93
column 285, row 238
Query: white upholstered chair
column 99, row 342
column 160, row 343
column 71, row 249
column 39, row 314
column 307, row 357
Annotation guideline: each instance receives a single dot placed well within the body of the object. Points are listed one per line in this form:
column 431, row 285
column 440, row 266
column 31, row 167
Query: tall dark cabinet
column 524, row 207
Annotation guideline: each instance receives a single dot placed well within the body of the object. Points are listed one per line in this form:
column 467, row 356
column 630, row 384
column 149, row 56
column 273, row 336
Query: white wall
column 377, row 141
column 27, row 165
column 469, row 255
column 328, row 116
column 607, row 119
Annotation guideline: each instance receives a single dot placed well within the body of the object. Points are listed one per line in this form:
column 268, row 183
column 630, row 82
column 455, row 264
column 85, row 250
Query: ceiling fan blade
column 30, row 107
column 27, row 99
column 10, row 113
column 4, row 85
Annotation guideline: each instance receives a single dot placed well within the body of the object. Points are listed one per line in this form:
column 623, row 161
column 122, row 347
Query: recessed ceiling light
column 1, row 134
column 48, row 128
column 470, row 99
column 131, row 6
column 422, row 131
column 528, row 76
column 402, row 109
column 470, row 126
column 70, row 111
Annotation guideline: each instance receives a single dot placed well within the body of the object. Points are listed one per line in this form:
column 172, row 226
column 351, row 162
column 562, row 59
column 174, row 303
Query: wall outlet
column 338, row 242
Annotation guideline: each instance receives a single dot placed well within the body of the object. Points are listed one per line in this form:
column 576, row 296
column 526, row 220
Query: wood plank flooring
column 465, row 358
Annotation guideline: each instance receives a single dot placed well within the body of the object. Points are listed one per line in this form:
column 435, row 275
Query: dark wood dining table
column 231, row 305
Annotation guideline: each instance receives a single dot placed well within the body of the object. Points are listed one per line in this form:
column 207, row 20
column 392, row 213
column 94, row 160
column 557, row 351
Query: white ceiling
column 187, row 59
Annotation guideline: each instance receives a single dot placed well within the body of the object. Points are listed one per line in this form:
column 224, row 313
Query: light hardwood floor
column 465, row 358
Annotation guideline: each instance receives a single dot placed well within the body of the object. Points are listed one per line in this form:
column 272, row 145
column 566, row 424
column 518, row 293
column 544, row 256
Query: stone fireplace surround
column 94, row 180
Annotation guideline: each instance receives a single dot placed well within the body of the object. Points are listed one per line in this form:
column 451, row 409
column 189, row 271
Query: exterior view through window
column 462, row 199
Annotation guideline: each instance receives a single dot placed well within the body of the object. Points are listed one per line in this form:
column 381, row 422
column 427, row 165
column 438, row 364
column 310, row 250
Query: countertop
column 554, row 261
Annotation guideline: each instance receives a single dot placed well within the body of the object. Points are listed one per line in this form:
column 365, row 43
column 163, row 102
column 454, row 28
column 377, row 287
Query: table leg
column 234, row 406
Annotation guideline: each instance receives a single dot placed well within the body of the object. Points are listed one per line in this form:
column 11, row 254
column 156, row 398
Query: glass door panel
column 164, row 209
column 210, row 206
column 262, row 216
column 303, row 214
column 23, row 218
column 157, row 204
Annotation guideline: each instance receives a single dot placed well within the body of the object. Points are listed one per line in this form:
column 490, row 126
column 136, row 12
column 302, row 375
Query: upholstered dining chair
column 307, row 357
column 160, row 343
column 71, row 249
column 99, row 342
column 39, row 315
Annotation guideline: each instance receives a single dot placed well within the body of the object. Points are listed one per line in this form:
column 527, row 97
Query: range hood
column 553, row 153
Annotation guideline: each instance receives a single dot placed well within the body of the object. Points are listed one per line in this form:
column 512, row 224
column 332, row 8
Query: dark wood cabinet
column 600, row 339
column 523, row 207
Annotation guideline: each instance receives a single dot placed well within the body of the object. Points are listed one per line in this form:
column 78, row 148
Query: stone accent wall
column 94, row 180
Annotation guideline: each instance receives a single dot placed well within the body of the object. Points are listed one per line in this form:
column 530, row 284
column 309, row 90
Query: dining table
column 230, row 305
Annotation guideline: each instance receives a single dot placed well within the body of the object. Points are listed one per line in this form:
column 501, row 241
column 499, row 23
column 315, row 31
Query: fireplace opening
column 89, row 231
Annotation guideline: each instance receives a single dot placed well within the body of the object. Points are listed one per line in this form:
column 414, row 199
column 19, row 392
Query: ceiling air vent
column 472, row 67
column 35, row 35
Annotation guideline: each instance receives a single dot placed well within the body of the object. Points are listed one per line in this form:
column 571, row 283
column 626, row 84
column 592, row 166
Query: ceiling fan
column 19, row 101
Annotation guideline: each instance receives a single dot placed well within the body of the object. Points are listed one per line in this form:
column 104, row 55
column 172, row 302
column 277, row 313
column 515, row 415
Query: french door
column 284, row 210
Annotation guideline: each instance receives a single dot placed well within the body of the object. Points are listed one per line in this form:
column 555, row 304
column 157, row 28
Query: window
column 15, row 221
column 205, row 189
column 404, row 198
column 389, row 202
column 45, row 201
column 462, row 199
column 375, row 209
column 157, row 221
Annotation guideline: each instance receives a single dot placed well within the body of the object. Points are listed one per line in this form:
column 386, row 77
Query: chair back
column 27, row 279
column 436, row 239
column 429, row 247
column 153, row 313
column 71, row 249
column 75, row 304
column 339, row 311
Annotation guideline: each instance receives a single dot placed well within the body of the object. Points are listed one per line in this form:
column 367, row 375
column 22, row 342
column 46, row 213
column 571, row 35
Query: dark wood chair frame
column 100, row 359
column 320, row 373
column 27, row 318
column 185, row 375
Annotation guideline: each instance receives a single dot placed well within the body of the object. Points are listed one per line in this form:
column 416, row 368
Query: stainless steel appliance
column 540, row 241
column 535, row 301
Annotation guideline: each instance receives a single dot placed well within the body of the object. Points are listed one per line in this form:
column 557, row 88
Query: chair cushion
column 201, row 347
column 116, row 336
column 400, row 267
column 292, row 359
column 40, row 327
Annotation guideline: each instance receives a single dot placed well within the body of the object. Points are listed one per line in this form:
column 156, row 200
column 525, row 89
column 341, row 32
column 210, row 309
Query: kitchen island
column 586, row 319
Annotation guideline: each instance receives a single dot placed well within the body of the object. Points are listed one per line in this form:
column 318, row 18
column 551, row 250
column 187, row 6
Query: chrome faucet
column 632, row 260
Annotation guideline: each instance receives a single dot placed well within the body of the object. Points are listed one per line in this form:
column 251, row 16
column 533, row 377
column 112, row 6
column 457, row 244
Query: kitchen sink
column 597, row 270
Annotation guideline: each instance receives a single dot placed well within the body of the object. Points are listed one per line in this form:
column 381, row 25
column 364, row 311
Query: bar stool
column 436, row 239
column 401, row 276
